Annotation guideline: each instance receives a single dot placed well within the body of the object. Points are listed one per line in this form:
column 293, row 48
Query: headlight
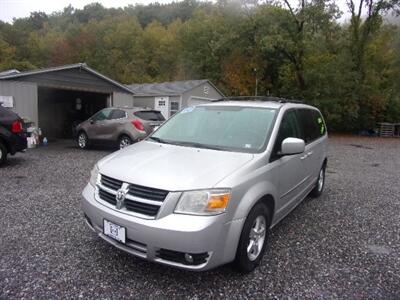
column 203, row 202
column 94, row 174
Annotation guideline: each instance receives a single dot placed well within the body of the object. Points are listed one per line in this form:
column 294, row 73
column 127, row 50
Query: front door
column 292, row 172
column 98, row 125
column 162, row 104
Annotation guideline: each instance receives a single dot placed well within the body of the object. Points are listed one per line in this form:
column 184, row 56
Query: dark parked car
column 118, row 126
column 12, row 135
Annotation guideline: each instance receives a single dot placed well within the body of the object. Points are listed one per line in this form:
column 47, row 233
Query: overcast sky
column 10, row 9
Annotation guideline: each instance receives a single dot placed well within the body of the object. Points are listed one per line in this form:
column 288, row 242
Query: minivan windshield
column 231, row 128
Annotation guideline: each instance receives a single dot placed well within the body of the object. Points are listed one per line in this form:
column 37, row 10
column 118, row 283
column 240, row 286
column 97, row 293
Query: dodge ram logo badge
column 120, row 197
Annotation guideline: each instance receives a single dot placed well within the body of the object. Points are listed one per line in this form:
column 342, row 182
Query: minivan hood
column 171, row 167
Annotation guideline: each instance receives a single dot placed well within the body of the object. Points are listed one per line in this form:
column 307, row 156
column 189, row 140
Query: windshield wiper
column 158, row 140
column 199, row 145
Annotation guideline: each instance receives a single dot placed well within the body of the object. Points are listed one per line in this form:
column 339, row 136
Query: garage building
column 58, row 98
column 170, row 97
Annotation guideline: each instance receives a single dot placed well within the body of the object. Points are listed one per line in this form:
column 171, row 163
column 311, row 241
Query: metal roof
column 9, row 72
column 172, row 88
column 66, row 67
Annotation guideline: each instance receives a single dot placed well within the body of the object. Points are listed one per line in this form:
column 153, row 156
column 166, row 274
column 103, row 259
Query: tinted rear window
column 149, row 115
column 312, row 124
column 8, row 114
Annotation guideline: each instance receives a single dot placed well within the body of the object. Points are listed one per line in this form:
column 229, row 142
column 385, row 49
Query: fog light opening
column 188, row 258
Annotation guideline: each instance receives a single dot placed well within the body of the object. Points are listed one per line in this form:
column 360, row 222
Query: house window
column 206, row 90
column 174, row 107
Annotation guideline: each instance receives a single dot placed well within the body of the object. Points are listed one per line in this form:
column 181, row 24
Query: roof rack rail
column 257, row 98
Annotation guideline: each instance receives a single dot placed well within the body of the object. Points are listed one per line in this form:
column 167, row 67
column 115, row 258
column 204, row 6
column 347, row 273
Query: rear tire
column 124, row 141
column 319, row 185
column 83, row 140
column 253, row 239
column 3, row 153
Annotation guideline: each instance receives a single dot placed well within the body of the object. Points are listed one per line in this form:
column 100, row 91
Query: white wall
column 202, row 93
column 25, row 98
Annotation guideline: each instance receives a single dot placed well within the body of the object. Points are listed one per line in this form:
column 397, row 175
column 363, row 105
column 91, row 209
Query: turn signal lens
column 203, row 202
column 218, row 202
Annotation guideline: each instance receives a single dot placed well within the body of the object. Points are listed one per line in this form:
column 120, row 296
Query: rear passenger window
column 312, row 124
column 117, row 114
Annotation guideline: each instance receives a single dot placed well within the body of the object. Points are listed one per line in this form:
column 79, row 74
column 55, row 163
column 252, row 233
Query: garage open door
column 60, row 110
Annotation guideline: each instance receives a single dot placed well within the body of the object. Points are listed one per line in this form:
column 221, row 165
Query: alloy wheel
column 125, row 142
column 256, row 238
column 82, row 140
column 321, row 180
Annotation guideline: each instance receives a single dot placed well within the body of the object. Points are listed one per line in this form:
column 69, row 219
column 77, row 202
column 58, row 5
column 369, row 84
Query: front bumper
column 214, row 235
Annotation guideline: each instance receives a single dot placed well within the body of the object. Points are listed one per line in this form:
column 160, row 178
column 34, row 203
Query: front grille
column 179, row 257
column 135, row 197
column 108, row 197
column 147, row 192
column 141, row 208
column 111, row 183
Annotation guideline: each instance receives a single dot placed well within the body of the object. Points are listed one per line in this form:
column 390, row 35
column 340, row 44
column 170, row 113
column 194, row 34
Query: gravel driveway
column 345, row 244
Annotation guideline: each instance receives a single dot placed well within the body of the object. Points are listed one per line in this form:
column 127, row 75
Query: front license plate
column 114, row 231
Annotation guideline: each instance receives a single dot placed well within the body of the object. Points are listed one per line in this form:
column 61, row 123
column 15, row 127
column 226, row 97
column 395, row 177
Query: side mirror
column 292, row 146
column 91, row 121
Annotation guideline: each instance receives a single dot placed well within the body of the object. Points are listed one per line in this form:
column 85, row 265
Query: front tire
column 83, row 140
column 3, row 153
column 253, row 239
column 319, row 186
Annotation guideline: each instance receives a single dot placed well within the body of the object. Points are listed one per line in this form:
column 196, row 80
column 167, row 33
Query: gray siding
column 149, row 101
column 143, row 101
column 75, row 79
column 122, row 100
column 199, row 92
column 25, row 98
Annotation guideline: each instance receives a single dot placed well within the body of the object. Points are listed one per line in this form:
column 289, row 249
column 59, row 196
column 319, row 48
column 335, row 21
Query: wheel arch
column 4, row 142
column 81, row 130
column 269, row 201
column 263, row 192
column 325, row 162
column 125, row 133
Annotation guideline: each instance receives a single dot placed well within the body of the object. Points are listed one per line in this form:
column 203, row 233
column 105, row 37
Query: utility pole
column 255, row 71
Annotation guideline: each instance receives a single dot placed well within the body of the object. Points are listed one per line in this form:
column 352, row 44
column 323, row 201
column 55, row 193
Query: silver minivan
column 205, row 188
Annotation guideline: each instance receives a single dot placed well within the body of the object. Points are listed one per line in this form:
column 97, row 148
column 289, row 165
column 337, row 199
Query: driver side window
column 289, row 127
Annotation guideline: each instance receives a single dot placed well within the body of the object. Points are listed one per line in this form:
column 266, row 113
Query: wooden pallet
column 387, row 130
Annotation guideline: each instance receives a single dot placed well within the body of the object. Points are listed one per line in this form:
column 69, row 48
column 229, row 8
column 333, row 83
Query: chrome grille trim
column 133, row 205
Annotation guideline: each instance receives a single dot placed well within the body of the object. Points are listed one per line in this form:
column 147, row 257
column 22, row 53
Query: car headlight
column 203, row 202
column 94, row 174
